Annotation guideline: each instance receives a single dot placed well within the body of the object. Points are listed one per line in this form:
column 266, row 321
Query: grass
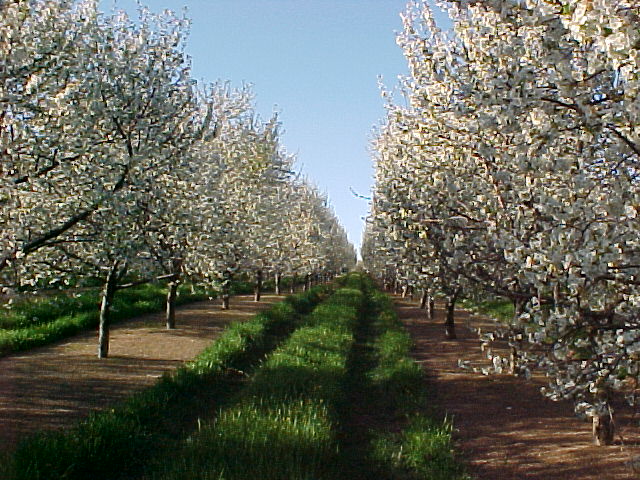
column 331, row 395
column 283, row 425
column 404, row 437
column 292, row 421
column 293, row 441
column 421, row 450
column 122, row 442
column 37, row 322
column 498, row 308
column 40, row 321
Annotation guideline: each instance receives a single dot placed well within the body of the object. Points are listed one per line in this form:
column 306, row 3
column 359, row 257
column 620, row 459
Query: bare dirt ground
column 504, row 428
column 55, row 386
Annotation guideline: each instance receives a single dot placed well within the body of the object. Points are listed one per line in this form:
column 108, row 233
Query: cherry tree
column 171, row 217
column 258, row 194
column 524, row 123
column 255, row 214
column 316, row 243
column 237, row 172
column 79, row 127
column 116, row 166
column 45, row 140
column 135, row 116
column 411, row 209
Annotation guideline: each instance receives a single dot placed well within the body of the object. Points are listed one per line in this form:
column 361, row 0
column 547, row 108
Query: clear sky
column 316, row 62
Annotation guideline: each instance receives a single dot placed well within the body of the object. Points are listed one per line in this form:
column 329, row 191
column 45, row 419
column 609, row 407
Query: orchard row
column 117, row 165
column 511, row 170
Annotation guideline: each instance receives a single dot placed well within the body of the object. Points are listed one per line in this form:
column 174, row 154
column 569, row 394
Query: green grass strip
column 39, row 322
column 284, row 425
column 120, row 442
column 423, row 448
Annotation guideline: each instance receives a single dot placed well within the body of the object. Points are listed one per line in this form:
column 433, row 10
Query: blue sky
column 316, row 62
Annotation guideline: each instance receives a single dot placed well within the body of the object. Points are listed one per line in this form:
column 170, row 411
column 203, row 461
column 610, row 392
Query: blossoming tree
column 522, row 124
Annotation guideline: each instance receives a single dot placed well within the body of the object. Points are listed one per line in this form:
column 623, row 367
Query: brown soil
column 504, row 428
column 55, row 386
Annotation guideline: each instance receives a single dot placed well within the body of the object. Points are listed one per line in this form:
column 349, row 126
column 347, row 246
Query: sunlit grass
column 423, row 448
column 124, row 441
column 294, row 441
column 281, row 420
column 40, row 321
column 499, row 308
column 284, row 424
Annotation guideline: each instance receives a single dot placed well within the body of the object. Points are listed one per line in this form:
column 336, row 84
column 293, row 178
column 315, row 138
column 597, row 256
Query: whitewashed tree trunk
column 172, row 291
column 513, row 361
column 277, row 279
column 108, row 293
column 431, row 305
column 602, row 421
column 556, row 295
column 226, row 289
column 603, row 429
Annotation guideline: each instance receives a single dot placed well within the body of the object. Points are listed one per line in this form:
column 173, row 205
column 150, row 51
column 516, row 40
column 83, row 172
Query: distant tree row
column 116, row 165
column 511, row 169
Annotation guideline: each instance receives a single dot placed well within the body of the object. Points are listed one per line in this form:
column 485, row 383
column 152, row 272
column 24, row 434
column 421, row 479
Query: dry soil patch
column 54, row 386
column 504, row 427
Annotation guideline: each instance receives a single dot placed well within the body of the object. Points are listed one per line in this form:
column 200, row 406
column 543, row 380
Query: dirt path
column 504, row 428
column 54, row 386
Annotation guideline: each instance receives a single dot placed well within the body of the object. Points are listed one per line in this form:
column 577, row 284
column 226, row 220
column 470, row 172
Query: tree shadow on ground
column 504, row 427
column 55, row 386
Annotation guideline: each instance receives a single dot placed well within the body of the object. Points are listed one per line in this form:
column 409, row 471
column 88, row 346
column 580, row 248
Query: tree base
column 603, row 430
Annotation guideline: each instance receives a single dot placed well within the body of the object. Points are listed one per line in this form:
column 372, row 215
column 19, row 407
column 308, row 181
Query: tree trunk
column 108, row 293
column 603, row 429
column 603, row 426
column 226, row 289
column 557, row 298
column 518, row 307
column 423, row 299
column 278, row 276
column 449, row 324
column 431, row 305
column 172, row 291
column 258, row 286
column 513, row 361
